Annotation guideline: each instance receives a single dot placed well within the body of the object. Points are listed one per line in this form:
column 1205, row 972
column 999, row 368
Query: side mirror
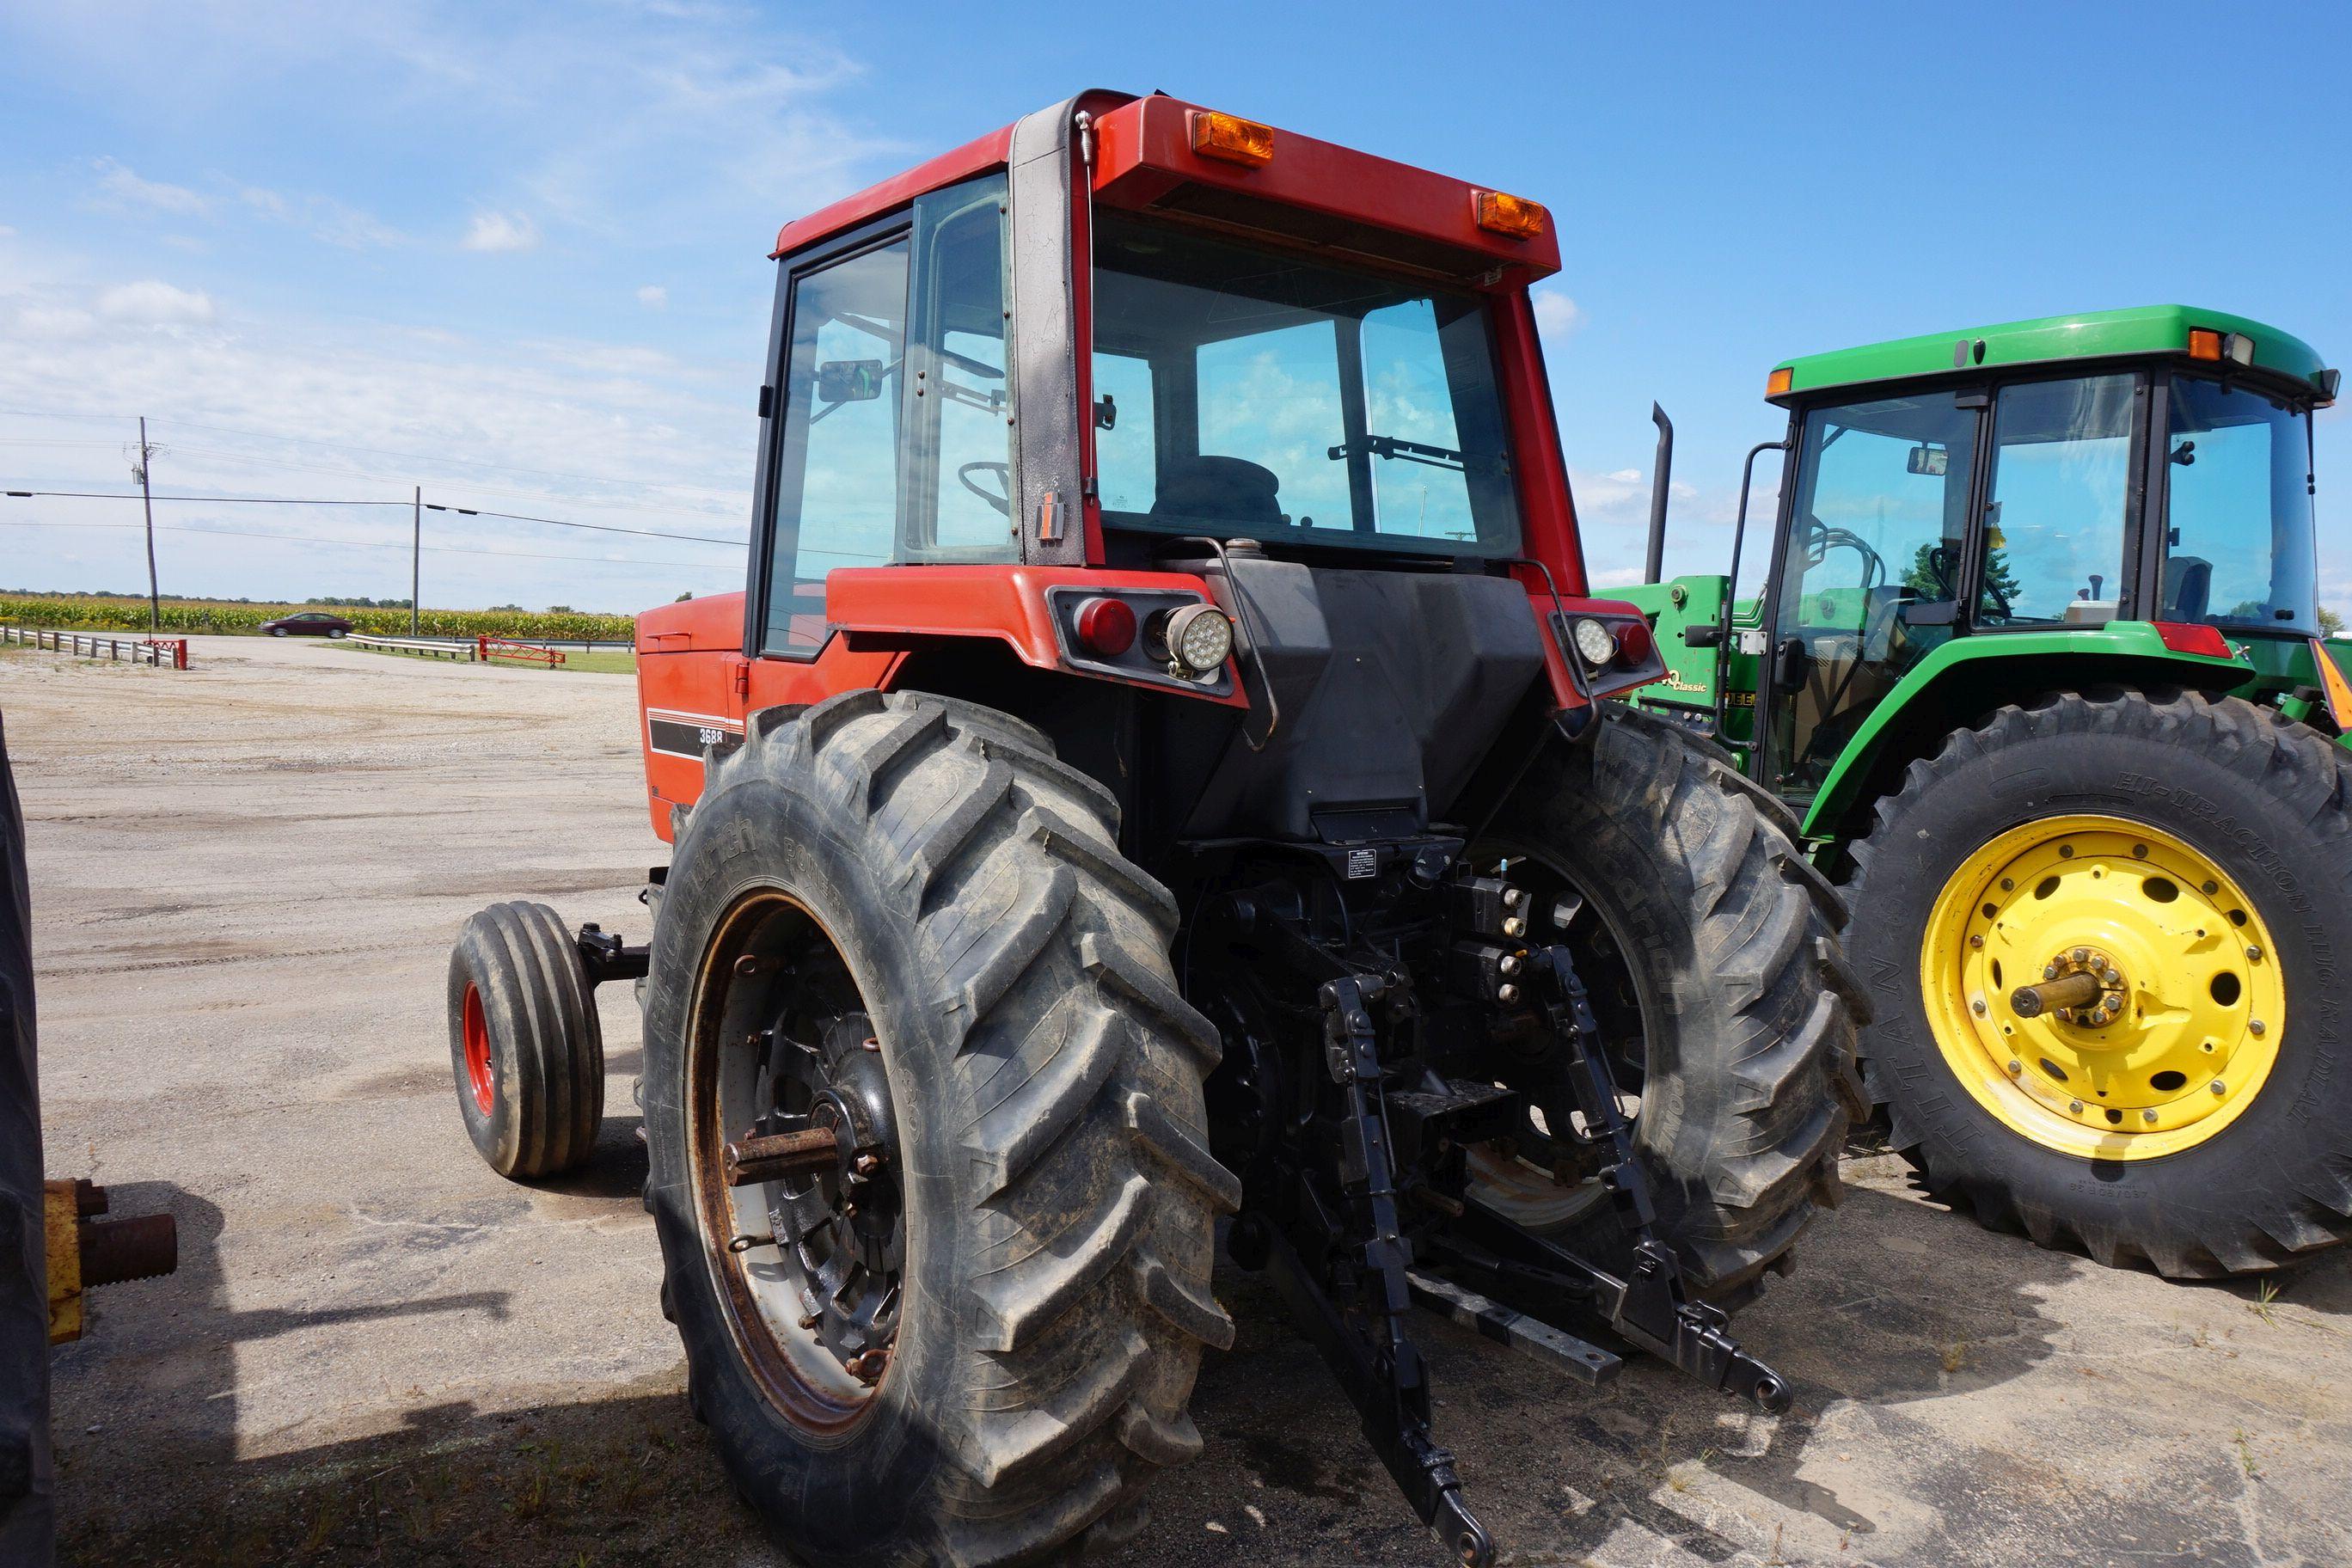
column 849, row 381
column 1925, row 459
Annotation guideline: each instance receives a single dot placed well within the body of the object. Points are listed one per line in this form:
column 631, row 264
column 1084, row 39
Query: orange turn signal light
column 1513, row 216
column 2204, row 343
column 1231, row 139
column 1780, row 381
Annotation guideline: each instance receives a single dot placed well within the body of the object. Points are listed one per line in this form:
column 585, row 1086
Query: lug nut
column 2081, row 956
column 2253, row 1025
column 867, row 1164
column 1513, row 897
column 2075, row 1106
column 2147, row 1115
column 2254, row 954
column 1978, row 1006
column 2066, row 851
column 2049, row 971
column 2007, row 886
column 2212, row 887
column 1508, row 994
column 1976, row 942
column 1514, row 926
column 2219, row 1088
column 1510, row 964
column 2016, row 1066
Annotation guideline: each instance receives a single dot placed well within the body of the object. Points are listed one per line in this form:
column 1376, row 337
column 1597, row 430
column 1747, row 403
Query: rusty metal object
column 2066, row 991
column 777, row 1156
column 85, row 1251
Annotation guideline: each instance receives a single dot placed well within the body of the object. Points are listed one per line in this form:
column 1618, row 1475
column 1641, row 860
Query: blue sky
column 516, row 254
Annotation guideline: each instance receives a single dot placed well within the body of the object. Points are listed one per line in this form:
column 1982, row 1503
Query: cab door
column 1871, row 572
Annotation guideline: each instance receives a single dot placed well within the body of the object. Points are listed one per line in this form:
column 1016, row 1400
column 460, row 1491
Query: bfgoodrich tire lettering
column 1046, row 1080
column 2266, row 801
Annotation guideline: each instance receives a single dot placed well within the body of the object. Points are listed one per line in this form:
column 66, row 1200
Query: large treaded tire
column 2267, row 801
column 1046, row 1078
column 532, row 1087
column 1747, row 1006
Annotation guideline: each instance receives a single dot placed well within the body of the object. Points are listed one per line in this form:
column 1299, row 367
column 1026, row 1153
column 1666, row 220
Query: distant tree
column 517, row 609
column 1924, row 579
column 562, row 610
column 682, row 598
column 2331, row 625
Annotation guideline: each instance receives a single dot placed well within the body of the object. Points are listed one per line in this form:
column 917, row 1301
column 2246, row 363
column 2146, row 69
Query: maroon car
column 309, row 623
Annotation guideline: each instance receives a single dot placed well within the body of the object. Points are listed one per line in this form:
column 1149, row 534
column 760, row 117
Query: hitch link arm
column 1367, row 1348
column 1652, row 1308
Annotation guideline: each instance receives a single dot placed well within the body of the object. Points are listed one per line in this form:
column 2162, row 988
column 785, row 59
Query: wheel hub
column 2102, row 987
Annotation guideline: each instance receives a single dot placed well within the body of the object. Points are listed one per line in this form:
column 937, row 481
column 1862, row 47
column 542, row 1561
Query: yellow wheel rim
column 2157, row 1004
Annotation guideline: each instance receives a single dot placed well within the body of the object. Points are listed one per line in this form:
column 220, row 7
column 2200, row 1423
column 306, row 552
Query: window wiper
column 1397, row 447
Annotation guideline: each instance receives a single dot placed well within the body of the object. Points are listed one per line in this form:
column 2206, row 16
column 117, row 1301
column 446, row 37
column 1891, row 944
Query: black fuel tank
column 1392, row 685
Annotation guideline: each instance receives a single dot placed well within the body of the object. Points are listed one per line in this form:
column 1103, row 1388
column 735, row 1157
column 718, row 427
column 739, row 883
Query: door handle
column 1788, row 663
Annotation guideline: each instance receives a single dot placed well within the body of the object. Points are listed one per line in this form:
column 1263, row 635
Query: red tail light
column 2182, row 637
column 1635, row 644
column 1107, row 627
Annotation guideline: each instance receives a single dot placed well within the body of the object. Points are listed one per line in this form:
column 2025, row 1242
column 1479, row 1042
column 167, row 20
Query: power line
column 429, row 506
column 367, row 543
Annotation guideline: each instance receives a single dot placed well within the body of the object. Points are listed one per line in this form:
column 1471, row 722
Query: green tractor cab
column 2039, row 665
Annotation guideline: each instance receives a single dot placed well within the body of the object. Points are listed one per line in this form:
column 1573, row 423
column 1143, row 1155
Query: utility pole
column 147, row 499
column 415, row 553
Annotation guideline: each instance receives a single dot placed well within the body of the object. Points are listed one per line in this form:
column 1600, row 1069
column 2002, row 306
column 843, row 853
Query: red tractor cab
column 1157, row 768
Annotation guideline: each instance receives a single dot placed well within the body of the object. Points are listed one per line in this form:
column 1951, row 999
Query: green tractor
column 2038, row 666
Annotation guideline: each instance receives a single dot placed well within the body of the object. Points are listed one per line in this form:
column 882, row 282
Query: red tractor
column 1157, row 770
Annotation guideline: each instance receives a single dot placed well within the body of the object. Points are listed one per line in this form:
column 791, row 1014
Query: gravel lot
column 245, row 878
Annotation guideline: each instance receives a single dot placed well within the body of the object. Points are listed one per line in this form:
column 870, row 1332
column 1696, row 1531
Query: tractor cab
column 2123, row 474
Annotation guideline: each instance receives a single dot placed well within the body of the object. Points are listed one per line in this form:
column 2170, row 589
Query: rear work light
column 1195, row 640
column 1106, row 626
column 2183, row 637
column 1515, row 216
column 1231, row 139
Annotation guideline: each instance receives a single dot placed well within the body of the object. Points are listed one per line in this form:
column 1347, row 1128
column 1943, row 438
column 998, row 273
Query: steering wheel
column 1001, row 500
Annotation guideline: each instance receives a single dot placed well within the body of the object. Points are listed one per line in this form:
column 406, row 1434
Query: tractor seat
column 2188, row 587
column 1220, row 489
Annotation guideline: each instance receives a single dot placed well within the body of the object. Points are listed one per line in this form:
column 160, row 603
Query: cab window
column 893, row 437
column 2060, row 485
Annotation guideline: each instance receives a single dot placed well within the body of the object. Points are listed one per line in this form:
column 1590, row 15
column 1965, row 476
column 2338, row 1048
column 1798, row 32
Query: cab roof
column 1310, row 192
column 2144, row 331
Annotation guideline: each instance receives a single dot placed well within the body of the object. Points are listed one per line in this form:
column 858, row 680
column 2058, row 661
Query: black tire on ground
column 337, row 634
column 1045, row 1080
column 525, row 1045
column 2266, row 801
column 1724, row 940
column 277, row 631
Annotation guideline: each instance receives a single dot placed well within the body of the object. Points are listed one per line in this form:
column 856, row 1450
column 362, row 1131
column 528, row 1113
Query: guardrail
column 163, row 653
column 490, row 649
column 421, row 648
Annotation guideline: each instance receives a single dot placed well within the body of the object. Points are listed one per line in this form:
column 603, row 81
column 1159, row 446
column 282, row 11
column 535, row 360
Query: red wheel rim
column 477, row 1052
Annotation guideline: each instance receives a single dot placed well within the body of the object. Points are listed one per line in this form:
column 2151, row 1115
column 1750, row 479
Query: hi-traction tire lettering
column 2268, row 800
column 1046, row 1078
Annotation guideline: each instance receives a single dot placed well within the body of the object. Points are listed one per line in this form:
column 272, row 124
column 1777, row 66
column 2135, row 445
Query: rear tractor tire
column 525, row 1043
column 2184, row 865
column 1710, row 946
column 966, row 1332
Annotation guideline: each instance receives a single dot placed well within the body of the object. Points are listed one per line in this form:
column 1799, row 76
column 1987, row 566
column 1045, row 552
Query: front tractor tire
column 1710, row 945
column 971, row 1337
column 2184, row 865
column 525, row 1045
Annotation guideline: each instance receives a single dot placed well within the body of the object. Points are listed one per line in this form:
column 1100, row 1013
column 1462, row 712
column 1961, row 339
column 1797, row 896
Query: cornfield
column 98, row 613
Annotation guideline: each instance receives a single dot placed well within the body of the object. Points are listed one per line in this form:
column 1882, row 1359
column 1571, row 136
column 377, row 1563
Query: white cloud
column 324, row 218
column 654, row 296
column 501, row 231
column 154, row 302
column 120, row 188
column 1557, row 315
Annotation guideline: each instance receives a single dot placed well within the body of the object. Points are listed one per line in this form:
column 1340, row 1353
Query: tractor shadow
column 1891, row 1302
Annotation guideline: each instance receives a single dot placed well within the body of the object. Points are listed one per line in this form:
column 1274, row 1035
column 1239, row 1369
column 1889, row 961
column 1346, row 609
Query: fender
column 1969, row 675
